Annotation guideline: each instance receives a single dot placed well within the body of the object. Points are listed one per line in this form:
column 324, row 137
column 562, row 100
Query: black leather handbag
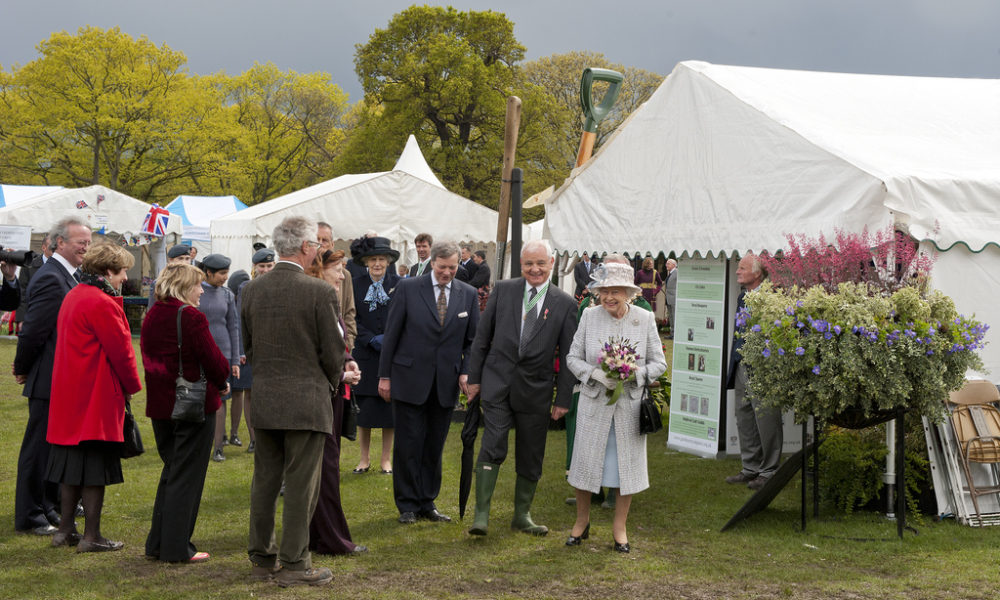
column 189, row 396
column 650, row 420
column 130, row 430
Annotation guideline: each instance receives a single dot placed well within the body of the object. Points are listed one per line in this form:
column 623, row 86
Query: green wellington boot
column 486, row 481
column 524, row 493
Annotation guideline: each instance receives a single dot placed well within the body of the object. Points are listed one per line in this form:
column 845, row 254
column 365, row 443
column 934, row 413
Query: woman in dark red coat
column 94, row 375
column 183, row 447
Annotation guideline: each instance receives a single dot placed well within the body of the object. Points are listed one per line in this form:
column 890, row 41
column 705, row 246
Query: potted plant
column 849, row 332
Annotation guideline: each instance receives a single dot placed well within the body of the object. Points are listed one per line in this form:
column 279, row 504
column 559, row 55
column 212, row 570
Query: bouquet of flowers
column 619, row 360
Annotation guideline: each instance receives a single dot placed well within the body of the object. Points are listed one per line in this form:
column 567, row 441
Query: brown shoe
column 262, row 573
column 758, row 483
column 740, row 477
column 286, row 577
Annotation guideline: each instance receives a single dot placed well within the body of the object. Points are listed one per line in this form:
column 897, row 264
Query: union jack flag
column 156, row 221
column 81, row 204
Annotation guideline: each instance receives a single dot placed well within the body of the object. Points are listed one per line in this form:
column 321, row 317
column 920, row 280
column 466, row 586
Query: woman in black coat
column 372, row 295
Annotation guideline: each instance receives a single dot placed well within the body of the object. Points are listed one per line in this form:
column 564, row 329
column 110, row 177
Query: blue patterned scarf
column 376, row 295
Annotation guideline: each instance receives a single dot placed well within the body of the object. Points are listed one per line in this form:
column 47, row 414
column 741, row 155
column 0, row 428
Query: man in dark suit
column 10, row 290
column 526, row 324
column 35, row 507
column 422, row 243
column 292, row 338
column 425, row 354
column 466, row 261
column 581, row 274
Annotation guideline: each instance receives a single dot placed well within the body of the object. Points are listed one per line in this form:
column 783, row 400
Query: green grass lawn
column 678, row 551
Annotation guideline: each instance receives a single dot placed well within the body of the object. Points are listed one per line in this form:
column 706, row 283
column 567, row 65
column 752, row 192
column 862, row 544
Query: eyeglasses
column 314, row 243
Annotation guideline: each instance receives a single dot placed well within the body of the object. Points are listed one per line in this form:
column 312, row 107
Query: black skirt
column 90, row 463
column 374, row 412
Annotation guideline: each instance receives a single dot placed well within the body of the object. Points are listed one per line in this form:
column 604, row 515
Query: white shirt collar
column 434, row 280
column 65, row 263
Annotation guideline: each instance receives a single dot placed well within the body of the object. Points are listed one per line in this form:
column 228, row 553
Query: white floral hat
column 615, row 275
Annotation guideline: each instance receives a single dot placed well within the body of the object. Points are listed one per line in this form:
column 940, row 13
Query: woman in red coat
column 184, row 447
column 94, row 375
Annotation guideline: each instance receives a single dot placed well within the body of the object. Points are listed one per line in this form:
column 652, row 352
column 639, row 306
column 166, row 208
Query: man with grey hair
column 759, row 426
column 526, row 324
column 293, row 341
column 670, row 294
column 424, row 362
column 34, row 504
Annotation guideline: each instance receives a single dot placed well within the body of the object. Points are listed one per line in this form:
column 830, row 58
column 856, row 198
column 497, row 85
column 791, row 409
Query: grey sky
column 958, row 38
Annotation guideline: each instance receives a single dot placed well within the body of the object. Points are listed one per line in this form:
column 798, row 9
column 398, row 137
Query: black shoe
column 234, row 440
column 407, row 518
column 42, row 530
column 758, row 483
column 623, row 548
column 576, row 540
column 434, row 515
column 359, row 470
column 66, row 539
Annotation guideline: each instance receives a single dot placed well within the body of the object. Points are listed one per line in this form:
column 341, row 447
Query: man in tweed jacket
column 295, row 345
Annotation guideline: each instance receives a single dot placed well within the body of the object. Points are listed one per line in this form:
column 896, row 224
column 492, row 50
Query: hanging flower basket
column 855, row 351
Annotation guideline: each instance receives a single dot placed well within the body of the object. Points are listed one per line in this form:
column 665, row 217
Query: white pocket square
column 463, row 315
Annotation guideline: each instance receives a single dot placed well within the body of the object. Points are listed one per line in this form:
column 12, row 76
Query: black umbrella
column 473, row 418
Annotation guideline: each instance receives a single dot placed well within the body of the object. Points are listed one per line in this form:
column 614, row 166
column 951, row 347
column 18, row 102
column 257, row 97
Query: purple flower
column 789, row 311
column 816, row 370
column 827, row 335
column 800, row 351
column 766, row 352
column 755, row 329
column 777, row 322
column 929, row 352
column 836, row 329
column 781, row 351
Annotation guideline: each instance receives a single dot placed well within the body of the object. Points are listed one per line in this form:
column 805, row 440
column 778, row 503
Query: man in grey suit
column 294, row 343
column 424, row 362
column 759, row 426
column 526, row 325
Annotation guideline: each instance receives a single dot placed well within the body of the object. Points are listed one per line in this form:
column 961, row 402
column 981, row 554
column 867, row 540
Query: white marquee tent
column 11, row 195
column 397, row 204
column 728, row 159
column 105, row 210
column 197, row 213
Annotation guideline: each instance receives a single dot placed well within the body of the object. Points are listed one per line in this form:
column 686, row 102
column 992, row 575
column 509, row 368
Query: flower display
column 827, row 348
column 619, row 360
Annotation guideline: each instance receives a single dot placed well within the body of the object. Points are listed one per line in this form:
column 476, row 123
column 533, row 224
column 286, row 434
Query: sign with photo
column 696, row 381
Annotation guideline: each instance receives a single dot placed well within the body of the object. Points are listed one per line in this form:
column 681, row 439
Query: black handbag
column 130, row 430
column 189, row 396
column 650, row 420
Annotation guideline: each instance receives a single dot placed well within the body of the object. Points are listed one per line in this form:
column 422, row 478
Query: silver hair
column 61, row 230
column 535, row 244
column 291, row 232
column 756, row 267
column 444, row 250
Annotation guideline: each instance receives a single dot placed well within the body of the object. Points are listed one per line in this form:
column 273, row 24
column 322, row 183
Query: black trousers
column 185, row 449
column 421, row 431
column 36, row 500
column 531, row 431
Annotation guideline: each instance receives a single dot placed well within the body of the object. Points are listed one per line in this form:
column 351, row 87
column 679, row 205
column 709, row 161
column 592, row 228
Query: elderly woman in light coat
column 608, row 448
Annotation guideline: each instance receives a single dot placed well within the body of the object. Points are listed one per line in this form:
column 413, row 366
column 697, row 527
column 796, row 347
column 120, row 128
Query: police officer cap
column 216, row 262
column 263, row 255
column 178, row 251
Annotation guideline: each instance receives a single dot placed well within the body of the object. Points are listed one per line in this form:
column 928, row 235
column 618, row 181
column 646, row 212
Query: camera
column 17, row 257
